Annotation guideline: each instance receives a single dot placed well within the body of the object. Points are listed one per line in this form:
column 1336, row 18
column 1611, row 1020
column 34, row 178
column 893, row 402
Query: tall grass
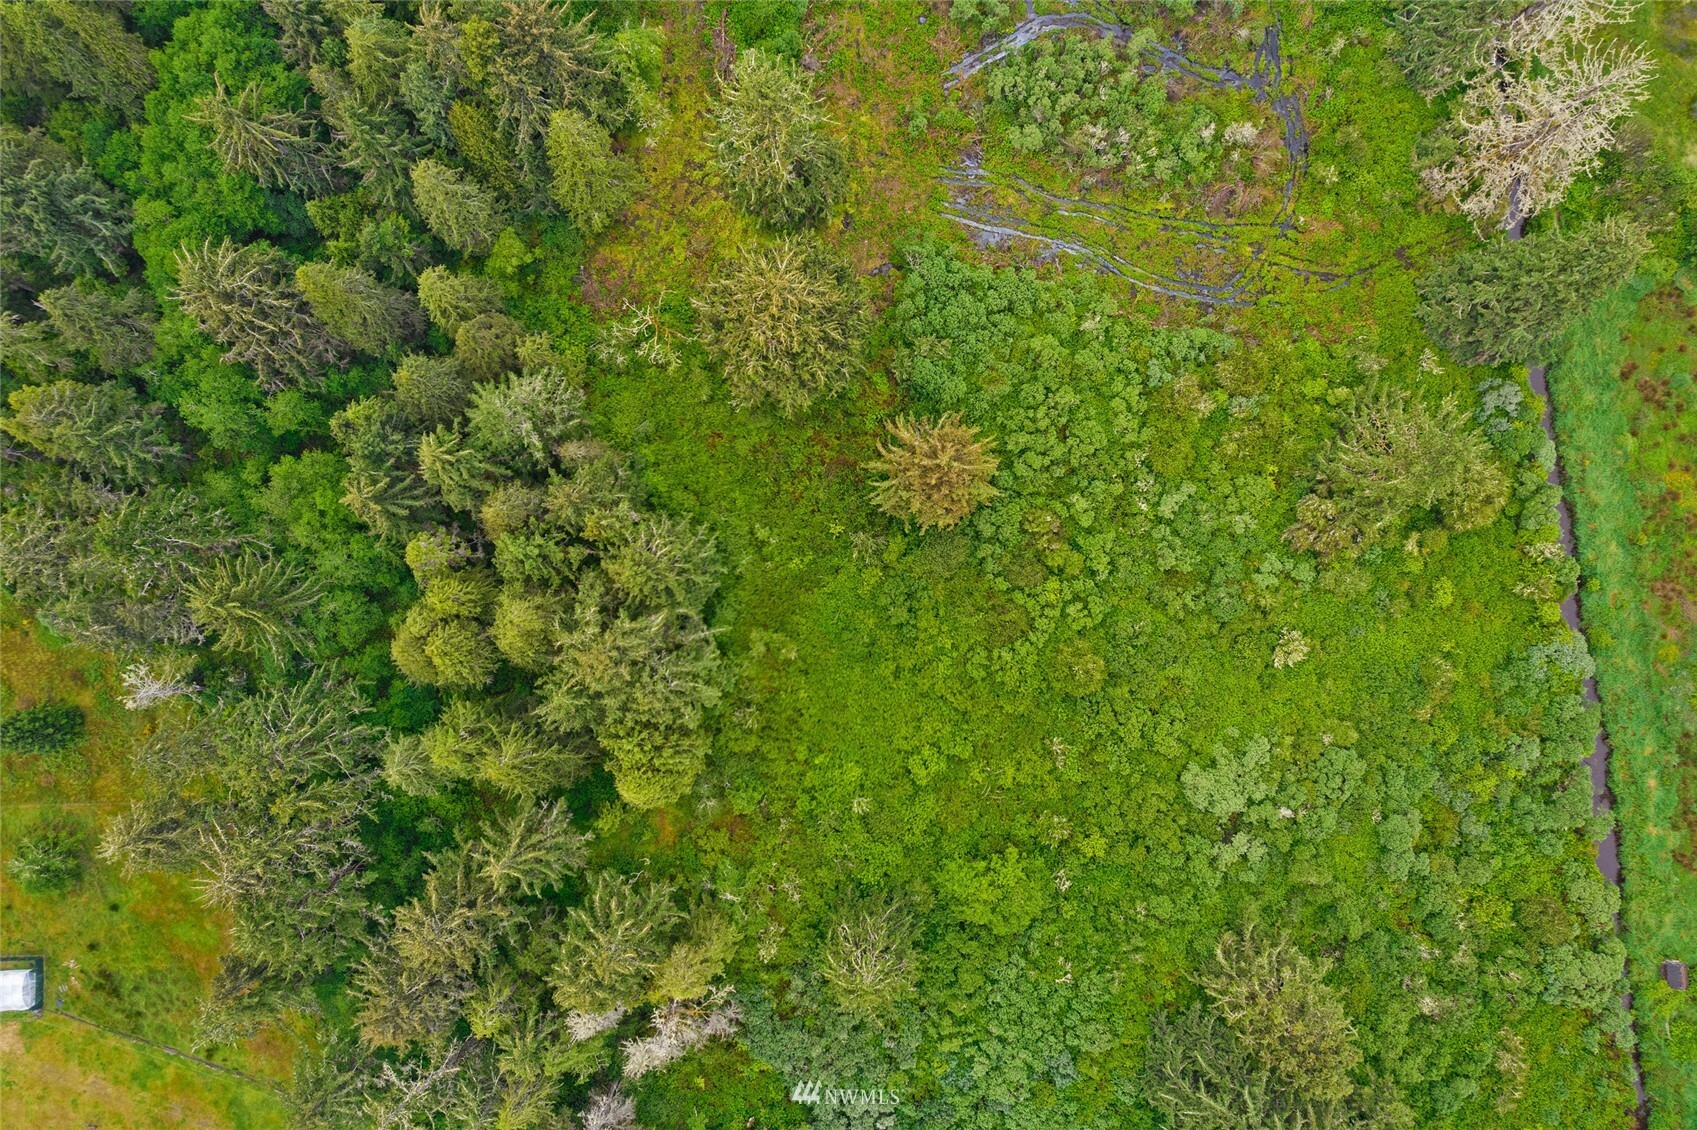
column 1646, row 698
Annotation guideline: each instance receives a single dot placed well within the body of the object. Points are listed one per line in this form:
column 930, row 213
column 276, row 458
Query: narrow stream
column 1227, row 258
column 1602, row 799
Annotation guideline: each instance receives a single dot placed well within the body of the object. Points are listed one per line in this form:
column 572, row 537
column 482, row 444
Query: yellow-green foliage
column 786, row 322
column 479, row 142
column 357, row 308
column 452, row 299
column 1278, row 1005
column 432, row 390
column 936, row 472
column 656, row 768
column 462, row 213
column 487, row 346
column 444, row 640
column 1396, row 456
column 524, row 628
column 591, row 183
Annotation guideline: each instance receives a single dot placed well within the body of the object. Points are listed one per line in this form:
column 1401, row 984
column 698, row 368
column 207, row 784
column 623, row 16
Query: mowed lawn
column 55, row 1072
column 131, row 954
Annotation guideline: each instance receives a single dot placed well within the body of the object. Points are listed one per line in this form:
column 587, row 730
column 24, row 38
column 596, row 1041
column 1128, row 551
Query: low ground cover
column 135, row 955
column 1624, row 413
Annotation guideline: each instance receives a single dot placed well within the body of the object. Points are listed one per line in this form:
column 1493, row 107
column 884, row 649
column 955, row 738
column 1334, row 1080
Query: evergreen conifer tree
column 103, row 430
column 354, row 306
column 115, row 329
column 276, row 148
column 82, row 46
column 432, row 390
column 452, row 300
column 1512, row 300
column 57, row 212
column 591, row 183
column 779, row 160
column 252, row 604
column 462, row 213
column 786, row 321
column 246, row 298
column 613, row 943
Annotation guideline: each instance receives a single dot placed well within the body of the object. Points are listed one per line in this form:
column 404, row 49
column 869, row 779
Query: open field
column 1624, row 400
column 135, row 955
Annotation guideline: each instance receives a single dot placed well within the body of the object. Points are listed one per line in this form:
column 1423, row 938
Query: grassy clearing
column 1626, row 411
column 1627, row 414
column 131, row 954
column 56, row 1074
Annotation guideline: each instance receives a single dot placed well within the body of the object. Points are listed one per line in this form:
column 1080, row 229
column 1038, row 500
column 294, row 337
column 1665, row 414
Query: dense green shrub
column 48, row 859
column 1003, row 893
column 984, row 17
column 1086, row 98
column 47, row 728
column 187, row 195
column 772, row 26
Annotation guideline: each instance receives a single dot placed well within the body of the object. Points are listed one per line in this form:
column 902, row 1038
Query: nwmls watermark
column 811, row 1092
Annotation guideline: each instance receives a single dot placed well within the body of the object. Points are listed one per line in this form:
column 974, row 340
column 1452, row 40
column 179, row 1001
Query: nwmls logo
column 811, row 1092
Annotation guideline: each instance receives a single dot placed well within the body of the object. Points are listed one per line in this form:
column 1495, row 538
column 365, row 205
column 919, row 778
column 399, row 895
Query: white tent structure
column 20, row 990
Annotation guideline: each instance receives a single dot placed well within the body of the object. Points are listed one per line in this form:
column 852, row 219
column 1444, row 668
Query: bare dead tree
column 1522, row 140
